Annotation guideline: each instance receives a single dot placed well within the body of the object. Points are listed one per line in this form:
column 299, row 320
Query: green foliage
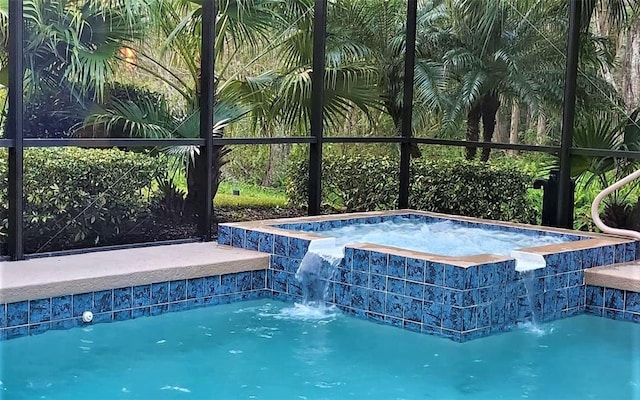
column 362, row 182
column 79, row 195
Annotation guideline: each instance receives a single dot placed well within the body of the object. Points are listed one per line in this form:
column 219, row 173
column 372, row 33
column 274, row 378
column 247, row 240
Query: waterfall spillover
column 317, row 268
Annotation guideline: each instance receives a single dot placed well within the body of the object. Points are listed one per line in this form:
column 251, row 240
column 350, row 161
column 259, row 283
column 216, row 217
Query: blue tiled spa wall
column 435, row 298
column 63, row 312
column 617, row 304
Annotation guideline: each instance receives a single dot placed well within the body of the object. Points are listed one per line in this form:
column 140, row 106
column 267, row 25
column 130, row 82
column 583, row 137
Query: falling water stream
column 317, row 269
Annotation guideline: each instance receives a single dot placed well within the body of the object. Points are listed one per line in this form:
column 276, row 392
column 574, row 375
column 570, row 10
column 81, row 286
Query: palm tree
column 507, row 51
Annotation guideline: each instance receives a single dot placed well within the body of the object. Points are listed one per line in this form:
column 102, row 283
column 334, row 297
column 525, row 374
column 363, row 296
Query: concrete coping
column 82, row 273
column 624, row 276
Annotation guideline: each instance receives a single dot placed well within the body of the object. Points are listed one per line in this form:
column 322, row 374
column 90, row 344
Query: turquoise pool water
column 271, row 350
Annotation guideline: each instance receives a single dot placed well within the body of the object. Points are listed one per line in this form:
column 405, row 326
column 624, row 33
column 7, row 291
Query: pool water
column 271, row 350
column 445, row 238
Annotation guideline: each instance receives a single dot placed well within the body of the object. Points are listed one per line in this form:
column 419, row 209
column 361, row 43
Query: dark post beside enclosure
column 407, row 103
column 14, row 129
column 568, row 116
column 317, row 104
column 207, row 102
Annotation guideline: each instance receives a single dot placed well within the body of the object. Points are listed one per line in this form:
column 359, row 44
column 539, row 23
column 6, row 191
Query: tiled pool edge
column 471, row 302
column 31, row 317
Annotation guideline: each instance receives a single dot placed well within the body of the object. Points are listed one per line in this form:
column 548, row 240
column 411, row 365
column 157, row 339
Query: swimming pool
column 271, row 350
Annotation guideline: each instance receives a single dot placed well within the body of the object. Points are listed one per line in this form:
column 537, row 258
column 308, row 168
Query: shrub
column 364, row 183
column 80, row 195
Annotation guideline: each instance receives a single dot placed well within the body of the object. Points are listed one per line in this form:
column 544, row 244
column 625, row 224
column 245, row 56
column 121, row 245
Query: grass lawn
column 250, row 195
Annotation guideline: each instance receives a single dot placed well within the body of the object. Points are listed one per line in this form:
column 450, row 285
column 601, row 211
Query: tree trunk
column 502, row 134
column 473, row 130
column 489, row 109
column 277, row 154
column 631, row 68
column 541, row 129
column 515, row 126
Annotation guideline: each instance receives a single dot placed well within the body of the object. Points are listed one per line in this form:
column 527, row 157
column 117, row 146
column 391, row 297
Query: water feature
column 317, row 269
column 528, row 278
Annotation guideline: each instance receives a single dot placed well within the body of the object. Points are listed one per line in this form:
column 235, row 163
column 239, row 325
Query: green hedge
column 80, row 195
column 364, row 183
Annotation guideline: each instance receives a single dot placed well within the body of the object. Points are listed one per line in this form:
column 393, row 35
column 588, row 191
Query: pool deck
column 624, row 276
column 55, row 276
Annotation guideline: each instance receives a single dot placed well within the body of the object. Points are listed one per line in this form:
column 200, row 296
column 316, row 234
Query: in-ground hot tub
column 441, row 288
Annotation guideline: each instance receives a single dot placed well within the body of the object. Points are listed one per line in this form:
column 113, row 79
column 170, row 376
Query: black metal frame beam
column 14, row 129
column 564, row 208
column 407, row 103
column 317, row 106
column 207, row 102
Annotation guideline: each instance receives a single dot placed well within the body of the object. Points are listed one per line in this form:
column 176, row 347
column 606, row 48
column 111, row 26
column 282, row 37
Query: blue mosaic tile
column 343, row 276
column 589, row 258
column 630, row 251
column 141, row 295
column 360, row 279
column 224, row 235
column 397, row 266
column 455, row 277
column 613, row 314
column 376, row 302
column 470, row 297
column 238, row 237
column 434, row 273
column 498, row 313
column 633, row 317
column 550, row 304
column 159, row 309
column 265, row 243
column 252, row 240
column 595, row 296
column 122, row 298
column 360, row 260
column 415, row 290
column 483, row 315
column 243, row 281
column 485, row 294
column 378, row 282
column 608, row 255
column 281, row 245
column 412, row 326
column 14, row 333
column 453, row 297
column 432, row 314
column 102, row 317
column 412, row 309
column 487, row 275
column 342, row 294
column 434, row 293
column 177, row 290
column 81, row 303
column 562, row 298
column 195, row 288
column 576, row 278
column 359, row 298
column 347, row 261
column 3, row 315
column 178, row 306
column 298, row 247
column 66, row 323
column 394, row 321
column 211, row 285
column 258, row 279
column 553, row 282
column 472, row 277
column 278, row 263
column 39, row 310
column 294, row 288
column 378, row 263
column 103, row 301
column 574, row 261
column 61, row 307
column 37, row 329
column 452, row 318
column 159, row 293
column 632, row 302
column 394, row 305
column 575, row 297
column 122, row 315
column 279, row 281
column 415, row 269
column 614, row 298
column 469, row 321
column 291, row 265
column 395, row 285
